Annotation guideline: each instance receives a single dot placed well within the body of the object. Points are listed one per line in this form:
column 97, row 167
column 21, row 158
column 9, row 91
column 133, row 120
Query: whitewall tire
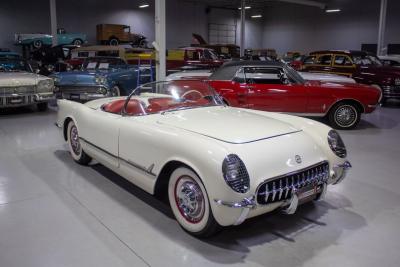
column 190, row 203
column 74, row 145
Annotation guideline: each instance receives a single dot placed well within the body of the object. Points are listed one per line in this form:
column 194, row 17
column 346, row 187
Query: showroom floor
column 54, row 212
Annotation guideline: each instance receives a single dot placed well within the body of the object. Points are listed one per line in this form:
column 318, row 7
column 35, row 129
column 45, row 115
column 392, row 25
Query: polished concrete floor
column 54, row 212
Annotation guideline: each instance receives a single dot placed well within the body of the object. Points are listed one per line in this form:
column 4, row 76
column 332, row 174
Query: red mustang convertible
column 274, row 86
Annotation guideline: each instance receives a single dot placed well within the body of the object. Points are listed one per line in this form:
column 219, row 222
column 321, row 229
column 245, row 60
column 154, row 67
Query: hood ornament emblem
column 298, row 159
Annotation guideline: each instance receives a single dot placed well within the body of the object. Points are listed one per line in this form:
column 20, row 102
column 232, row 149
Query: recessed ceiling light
column 256, row 16
column 246, row 7
column 332, row 10
column 144, row 6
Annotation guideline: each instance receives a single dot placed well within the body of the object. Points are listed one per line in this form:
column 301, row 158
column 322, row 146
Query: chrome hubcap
column 189, row 199
column 346, row 116
column 76, row 146
column 115, row 91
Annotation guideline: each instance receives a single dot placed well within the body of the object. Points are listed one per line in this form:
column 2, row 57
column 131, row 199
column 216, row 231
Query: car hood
column 78, row 77
column 231, row 125
column 19, row 79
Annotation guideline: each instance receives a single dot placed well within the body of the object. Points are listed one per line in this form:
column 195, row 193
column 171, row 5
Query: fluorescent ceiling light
column 332, row 10
column 144, row 6
column 256, row 16
column 246, row 7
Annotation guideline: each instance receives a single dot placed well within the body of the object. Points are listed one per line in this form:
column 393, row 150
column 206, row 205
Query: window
column 324, row 60
column 309, row 60
column 192, row 55
column 343, row 60
column 127, row 29
column 110, row 53
column 83, row 54
column 256, row 75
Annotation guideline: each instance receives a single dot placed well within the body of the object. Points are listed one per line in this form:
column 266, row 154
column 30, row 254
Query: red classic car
column 274, row 86
column 363, row 67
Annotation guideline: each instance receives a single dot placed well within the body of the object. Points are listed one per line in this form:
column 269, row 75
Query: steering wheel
column 190, row 92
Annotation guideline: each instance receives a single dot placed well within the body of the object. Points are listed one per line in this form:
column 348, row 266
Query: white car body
column 306, row 76
column 140, row 147
column 22, row 88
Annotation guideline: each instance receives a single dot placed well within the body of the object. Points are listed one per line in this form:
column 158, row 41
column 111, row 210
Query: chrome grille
column 79, row 89
column 282, row 188
column 29, row 89
column 391, row 91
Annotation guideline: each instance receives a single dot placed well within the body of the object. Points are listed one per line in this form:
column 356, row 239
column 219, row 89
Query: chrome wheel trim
column 74, row 140
column 77, row 42
column 115, row 91
column 189, row 199
column 345, row 116
column 114, row 42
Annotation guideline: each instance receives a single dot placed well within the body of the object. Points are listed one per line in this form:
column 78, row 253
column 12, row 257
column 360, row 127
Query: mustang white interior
column 216, row 165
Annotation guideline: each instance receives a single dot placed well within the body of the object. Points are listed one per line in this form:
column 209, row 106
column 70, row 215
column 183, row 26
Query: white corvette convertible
column 216, row 165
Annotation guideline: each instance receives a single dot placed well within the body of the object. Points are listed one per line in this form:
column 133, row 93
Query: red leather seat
column 133, row 108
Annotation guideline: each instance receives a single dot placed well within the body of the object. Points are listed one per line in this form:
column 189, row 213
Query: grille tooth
column 283, row 187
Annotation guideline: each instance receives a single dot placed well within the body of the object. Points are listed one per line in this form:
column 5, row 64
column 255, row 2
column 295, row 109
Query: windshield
column 294, row 74
column 367, row 60
column 161, row 97
column 210, row 55
column 101, row 63
column 14, row 65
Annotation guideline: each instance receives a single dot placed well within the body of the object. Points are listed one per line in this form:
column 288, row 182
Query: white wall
column 304, row 29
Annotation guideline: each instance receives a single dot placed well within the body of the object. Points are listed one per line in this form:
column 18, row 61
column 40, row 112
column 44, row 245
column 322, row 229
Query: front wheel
column 115, row 91
column 37, row 44
column 75, row 147
column 114, row 41
column 42, row 106
column 190, row 204
column 344, row 116
column 77, row 42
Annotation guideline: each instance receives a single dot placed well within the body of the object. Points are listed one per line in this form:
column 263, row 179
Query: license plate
column 307, row 191
column 75, row 96
column 16, row 100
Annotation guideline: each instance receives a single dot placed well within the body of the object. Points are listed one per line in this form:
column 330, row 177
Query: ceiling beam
column 306, row 3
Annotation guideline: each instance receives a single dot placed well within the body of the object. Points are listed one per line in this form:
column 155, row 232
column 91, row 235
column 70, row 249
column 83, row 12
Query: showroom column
column 53, row 21
column 382, row 27
column 160, row 43
column 242, row 27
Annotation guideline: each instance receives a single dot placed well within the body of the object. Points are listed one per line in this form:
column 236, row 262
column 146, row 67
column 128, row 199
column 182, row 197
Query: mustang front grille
column 79, row 89
column 283, row 187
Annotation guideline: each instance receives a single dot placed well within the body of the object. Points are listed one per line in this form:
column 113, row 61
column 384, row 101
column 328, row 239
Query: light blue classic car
column 100, row 77
column 37, row 40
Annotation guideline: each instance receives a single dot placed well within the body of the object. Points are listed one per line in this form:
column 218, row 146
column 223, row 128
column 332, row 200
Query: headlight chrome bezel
column 46, row 85
column 336, row 144
column 235, row 174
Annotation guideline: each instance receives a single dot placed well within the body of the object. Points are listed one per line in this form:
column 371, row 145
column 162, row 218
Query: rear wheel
column 75, row 147
column 344, row 116
column 37, row 44
column 42, row 106
column 190, row 204
column 77, row 42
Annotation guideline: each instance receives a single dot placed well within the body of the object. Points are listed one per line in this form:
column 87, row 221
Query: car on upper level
column 100, row 77
column 20, row 86
column 115, row 34
column 37, row 40
column 176, row 140
column 274, row 86
column 362, row 66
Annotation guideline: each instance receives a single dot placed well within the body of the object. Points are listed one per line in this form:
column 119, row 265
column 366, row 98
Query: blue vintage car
column 100, row 77
column 7, row 54
column 37, row 40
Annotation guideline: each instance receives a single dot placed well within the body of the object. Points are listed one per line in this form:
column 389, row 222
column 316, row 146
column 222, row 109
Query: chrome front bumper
column 18, row 100
column 289, row 206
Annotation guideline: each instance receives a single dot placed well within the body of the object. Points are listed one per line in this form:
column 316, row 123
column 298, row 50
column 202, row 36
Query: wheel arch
column 357, row 103
column 67, row 120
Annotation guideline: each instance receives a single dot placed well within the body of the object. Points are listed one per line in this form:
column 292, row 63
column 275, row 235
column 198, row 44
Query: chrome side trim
column 148, row 171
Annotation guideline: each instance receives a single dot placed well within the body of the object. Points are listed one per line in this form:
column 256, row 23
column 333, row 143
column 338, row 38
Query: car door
column 343, row 65
column 271, row 89
column 322, row 63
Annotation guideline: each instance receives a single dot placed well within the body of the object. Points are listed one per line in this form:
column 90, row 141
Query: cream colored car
column 215, row 165
column 20, row 87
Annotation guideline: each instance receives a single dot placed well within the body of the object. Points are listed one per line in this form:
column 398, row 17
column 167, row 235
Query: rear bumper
column 19, row 100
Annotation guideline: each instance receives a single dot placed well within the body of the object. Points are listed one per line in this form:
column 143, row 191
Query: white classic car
column 215, row 165
column 204, row 74
column 19, row 86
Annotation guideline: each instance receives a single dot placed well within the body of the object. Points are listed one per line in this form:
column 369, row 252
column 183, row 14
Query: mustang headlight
column 45, row 86
column 336, row 144
column 235, row 174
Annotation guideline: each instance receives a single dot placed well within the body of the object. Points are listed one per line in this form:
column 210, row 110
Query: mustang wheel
column 344, row 116
column 75, row 147
column 189, row 203
column 37, row 44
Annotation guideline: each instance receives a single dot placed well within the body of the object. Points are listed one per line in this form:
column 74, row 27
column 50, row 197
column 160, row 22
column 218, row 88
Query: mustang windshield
column 161, row 97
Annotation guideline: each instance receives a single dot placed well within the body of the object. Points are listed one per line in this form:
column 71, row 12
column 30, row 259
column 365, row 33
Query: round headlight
column 102, row 90
column 336, row 144
column 235, row 174
column 45, row 85
column 97, row 79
